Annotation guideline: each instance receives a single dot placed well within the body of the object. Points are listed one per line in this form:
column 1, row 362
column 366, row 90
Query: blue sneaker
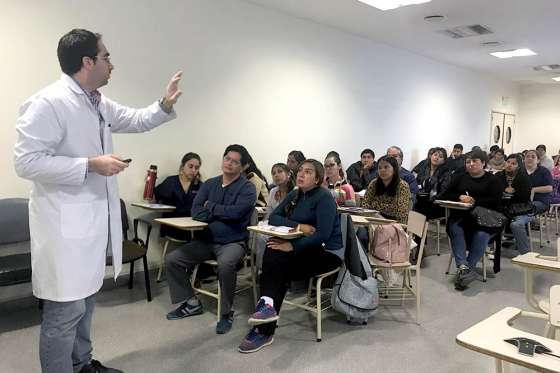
column 224, row 325
column 184, row 310
column 254, row 341
column 264, row 313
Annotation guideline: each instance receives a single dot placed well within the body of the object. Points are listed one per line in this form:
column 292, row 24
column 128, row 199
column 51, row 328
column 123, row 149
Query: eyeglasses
column 234, row 162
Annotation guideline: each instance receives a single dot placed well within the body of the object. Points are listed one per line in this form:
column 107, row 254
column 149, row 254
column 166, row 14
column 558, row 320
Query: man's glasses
column 234, row 162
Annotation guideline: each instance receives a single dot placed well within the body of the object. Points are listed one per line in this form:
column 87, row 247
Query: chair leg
column 219, row 307
column 131, row 276
column 417, row 291
column 530, row 236
column 319, row 305
column 438, row 237
column 484, row 267
column 449, row 264
column 162, row 261
column 539, row 218
column 147, row 278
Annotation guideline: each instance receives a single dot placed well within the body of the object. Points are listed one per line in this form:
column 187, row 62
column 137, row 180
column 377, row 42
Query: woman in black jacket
column 478, row 188
column 433, row 179
column 517, row 199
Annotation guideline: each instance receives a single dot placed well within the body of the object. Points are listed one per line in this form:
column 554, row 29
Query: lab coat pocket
column 82, row 220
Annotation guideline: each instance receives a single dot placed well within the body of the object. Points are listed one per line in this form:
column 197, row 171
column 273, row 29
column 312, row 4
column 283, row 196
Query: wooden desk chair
column 249, row 264
column 318, row 304
column 417, row 227
column 168, row 240
column 541, row 220
column 553, row 214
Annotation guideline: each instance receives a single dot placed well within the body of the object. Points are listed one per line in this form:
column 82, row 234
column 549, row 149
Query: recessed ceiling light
column 435, row 18
column 491, row 43
column 514, row 53
column 556, row 78
column 392, row 4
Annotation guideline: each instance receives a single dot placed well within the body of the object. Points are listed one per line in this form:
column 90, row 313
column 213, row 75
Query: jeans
column 183, row 260
column 518, row 227
column 65, row 340
column 540, row 207
column 474, row 242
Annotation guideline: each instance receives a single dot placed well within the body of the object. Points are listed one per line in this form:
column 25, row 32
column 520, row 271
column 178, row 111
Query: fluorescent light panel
column 556, row 78
column 392, row 4
column 514, row 53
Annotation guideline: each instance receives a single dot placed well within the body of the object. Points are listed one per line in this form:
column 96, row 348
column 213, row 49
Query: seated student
column 544, row 159
column 541, row 181
column 397, row 153
column 555, row 198
column 457, row 160
column 226, row 203
column 342, row 192
column 295, row 157
column 516, row 188
column 361, row 173
column 423, row 163
column 388, row 194
column 312, row 209
column 255, row 176
column 284, row 185
column 432, row 181
column 492, row 151
column 180, row 191
column 480, row 188
column 497, row 162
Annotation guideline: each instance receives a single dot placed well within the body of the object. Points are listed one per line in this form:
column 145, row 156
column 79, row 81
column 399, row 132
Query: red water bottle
column 151, row 177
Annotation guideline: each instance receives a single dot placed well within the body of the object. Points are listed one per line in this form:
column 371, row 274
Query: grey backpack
column 355, row 292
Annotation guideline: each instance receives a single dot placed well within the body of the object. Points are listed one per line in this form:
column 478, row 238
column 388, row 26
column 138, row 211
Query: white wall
column 252, row 76
column 539, row 117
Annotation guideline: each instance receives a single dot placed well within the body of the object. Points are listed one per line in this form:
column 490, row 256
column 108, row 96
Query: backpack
column 390, row 243
column 355, row 292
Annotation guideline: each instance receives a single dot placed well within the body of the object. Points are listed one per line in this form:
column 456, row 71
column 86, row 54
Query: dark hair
column 298, row 155
column 441, row 150
column 398, row 150
column 319, row 175
column 500, row 150
column 254, row 169
column 541, row 146
column 520, row 165
column 290, row 183
column 391, row 189
column 367, row 151
column 477, row 154
column 334, row 155
column 476, row 147
column 242, row 152
column 187, row 157
column 74, row 46
column 458, row 146
column 494, row 148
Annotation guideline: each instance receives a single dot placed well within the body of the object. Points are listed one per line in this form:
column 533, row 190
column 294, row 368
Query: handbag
column 488, row 219
column 519, row 208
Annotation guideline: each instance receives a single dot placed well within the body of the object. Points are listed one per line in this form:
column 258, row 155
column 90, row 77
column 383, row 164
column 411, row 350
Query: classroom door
column 502, row 129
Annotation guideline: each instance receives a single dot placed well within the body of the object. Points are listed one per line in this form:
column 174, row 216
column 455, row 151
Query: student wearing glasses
column 226, row 203
column 342, row 192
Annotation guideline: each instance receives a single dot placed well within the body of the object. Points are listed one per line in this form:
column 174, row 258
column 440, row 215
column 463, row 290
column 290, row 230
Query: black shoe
column 224, row 325
column 464, row 277
column 96, row 367
column 185, row 310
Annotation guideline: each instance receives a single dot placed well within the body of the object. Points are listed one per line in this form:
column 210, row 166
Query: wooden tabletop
column 154, row 206
column 360, row 211
column 286, row 236
column 537, row 261
column 487, row 337
column 453, row 204
column 186, row 223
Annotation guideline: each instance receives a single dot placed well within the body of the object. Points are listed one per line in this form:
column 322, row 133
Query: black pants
column 279, row 268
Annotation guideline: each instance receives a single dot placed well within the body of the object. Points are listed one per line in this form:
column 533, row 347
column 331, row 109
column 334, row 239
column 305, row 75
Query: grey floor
column 133, row 335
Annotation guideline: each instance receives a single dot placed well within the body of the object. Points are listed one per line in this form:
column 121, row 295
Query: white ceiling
column 533, row 24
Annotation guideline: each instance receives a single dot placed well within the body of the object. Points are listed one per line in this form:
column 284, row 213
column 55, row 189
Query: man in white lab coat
column 65, row 148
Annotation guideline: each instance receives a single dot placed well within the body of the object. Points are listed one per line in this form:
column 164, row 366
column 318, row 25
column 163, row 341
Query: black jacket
column 360, row 179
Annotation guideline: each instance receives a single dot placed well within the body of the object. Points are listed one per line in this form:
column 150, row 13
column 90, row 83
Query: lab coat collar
column 72, row 84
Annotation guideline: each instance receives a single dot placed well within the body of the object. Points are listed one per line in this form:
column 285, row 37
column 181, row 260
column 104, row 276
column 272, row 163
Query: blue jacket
column 228, row 210
column 317, row 208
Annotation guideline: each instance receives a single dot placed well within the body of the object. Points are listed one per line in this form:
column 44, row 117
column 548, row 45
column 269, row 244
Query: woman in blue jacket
column 312, row 210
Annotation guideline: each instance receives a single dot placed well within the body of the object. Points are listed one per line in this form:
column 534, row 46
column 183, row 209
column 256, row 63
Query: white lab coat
column 74, row 218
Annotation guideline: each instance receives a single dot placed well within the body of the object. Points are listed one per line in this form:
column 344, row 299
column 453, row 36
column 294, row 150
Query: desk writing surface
column 358, row 211
column 487, row 337
column 154, row 206
column 536, row 261
column 186, row 223
column 287, row 236
column 453, row 204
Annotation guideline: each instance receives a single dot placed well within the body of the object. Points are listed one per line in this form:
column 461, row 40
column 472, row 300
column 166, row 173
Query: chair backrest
column 124, row 220
column 14, row 220
column 416, row 223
